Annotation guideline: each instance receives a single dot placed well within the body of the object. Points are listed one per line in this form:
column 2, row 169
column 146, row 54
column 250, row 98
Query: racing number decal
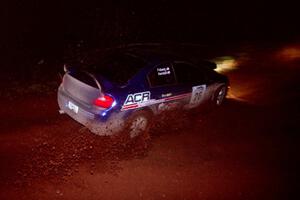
column 197, row 94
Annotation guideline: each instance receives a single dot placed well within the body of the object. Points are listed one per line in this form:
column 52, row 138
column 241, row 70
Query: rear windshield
column 118, row 68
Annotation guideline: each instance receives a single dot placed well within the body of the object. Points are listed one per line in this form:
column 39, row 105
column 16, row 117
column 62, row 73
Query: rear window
column 117, row 68
column 84, row 77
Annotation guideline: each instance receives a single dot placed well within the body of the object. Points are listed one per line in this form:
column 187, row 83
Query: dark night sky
column 46, row 26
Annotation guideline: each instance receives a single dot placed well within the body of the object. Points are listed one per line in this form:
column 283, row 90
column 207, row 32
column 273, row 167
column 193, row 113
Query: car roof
column 155, row 58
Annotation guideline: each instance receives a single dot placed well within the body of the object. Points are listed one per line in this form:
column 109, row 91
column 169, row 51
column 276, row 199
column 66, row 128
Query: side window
column 186, row 73
column 162, row 75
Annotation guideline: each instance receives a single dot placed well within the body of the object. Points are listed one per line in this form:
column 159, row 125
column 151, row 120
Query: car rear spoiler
column 68, row 68
column 96, row 81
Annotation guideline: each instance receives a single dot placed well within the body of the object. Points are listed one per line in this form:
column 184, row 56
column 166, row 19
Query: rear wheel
column 220, row 95
column 138, row 124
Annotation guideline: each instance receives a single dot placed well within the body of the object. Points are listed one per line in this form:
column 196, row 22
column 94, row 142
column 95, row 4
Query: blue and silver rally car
column 125, row 90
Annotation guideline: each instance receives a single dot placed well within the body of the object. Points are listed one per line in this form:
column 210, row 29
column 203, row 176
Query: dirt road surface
column 246, row 149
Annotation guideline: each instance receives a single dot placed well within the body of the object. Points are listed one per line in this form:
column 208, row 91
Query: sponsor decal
column 163, row 71
column 166, row 95
column 137, row 98
column 168, row 106
column 142, row 99
column 133, row 100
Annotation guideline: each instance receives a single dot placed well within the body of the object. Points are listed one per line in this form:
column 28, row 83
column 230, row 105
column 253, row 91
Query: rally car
column 126, row 89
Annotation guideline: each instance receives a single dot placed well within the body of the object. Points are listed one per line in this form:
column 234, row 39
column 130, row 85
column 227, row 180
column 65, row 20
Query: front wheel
column 220, row 95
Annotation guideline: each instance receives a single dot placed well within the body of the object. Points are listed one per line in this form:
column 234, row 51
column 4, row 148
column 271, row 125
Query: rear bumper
column 89, row 117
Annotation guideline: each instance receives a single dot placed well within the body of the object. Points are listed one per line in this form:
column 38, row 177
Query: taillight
column 104, row 101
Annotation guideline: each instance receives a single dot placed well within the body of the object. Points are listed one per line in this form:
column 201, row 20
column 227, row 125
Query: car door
column 193, row 80
column 164, row 87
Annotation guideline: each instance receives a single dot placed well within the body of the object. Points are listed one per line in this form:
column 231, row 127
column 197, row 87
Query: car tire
column 220, row 95
column 138, row 124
